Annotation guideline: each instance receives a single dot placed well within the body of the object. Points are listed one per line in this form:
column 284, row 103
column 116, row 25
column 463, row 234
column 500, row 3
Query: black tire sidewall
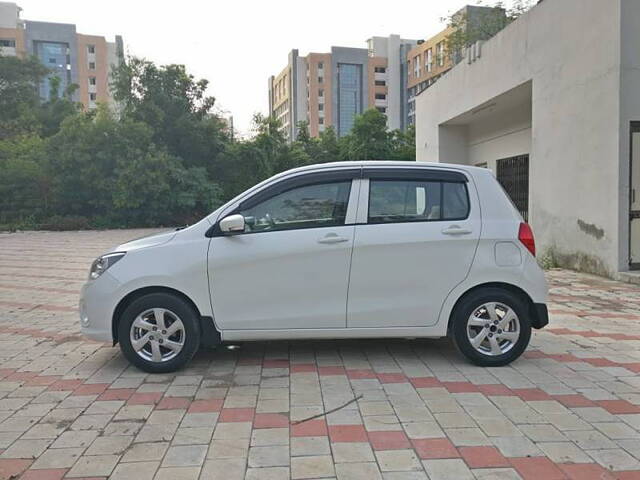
column 170, row 302
column 469, row 304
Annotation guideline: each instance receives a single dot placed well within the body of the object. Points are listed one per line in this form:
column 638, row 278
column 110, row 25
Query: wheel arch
column 533, row 312
column 210, row 336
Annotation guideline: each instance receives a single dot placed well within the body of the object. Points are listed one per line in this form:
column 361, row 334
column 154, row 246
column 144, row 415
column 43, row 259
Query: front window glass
column 310, row 206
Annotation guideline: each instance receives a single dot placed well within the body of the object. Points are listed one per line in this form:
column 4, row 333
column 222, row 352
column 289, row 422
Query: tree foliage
column 481, row 26
column 162, row 157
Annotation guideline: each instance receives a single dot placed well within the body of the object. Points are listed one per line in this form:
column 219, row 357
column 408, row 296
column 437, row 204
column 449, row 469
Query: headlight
column 103, row 263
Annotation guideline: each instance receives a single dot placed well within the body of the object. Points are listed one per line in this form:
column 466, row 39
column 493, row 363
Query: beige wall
column 313, row 61
column 16, row 34
column 101, row 72
column 281, row 96
column 421, row 52
column 371, row 77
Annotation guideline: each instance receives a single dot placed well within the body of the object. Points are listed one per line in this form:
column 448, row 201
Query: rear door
column 415, row 240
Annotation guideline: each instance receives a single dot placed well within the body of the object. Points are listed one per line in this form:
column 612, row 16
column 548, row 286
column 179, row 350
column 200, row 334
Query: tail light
column 525, row 235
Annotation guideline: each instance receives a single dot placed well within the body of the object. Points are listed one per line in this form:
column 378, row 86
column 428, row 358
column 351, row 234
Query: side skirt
column 334, row 333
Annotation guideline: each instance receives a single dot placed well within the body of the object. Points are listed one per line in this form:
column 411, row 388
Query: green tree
column 25, row 186
column 368, row 139
column 403, row 144
column 155, row 189
column 304, row 141
column 175, row 106
column 481, row 25
column 19, row 98
column 164, row 159
column 328, row 146
column 52, row 113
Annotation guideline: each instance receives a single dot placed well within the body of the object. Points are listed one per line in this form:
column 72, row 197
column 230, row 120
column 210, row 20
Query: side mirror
column 232, row 224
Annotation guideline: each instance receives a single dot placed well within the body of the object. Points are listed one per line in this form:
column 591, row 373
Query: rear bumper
column 539, row 315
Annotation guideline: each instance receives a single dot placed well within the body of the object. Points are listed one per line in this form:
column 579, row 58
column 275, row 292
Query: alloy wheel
column 493, row 328
column 157, row 335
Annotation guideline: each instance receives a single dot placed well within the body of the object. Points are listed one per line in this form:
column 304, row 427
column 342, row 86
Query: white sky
column 237, row 44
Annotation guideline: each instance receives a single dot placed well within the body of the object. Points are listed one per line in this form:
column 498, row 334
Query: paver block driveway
column 71, row 408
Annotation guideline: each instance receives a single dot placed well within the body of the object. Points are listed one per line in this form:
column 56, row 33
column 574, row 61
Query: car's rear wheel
column 159, row 333
column 491, row 327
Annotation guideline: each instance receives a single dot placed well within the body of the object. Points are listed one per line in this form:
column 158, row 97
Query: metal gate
column 634, row 199
column 513, row 175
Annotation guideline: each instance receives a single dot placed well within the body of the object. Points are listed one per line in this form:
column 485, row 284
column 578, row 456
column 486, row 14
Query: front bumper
column 98, row 300
column 539, row 315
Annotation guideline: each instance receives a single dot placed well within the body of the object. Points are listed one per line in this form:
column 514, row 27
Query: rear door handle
column 332, row 238
column 456, row 230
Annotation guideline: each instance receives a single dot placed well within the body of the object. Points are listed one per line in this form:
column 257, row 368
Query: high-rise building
column 429, row 59
column 287, row 100
column 74, row 58
column 330, row 89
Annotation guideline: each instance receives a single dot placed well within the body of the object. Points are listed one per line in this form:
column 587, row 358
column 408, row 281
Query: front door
column 634, row 199
column 290, row 268
column 418, row 242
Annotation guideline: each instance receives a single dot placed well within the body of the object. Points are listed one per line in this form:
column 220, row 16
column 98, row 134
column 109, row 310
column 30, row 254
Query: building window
column 91, row 48
column 92, row 80
column 429, row 60
column 349, row 95
column 54, row 56
column 321, row 93
column 321, row 107
column 380, row 69
column 380, row 83
column 320, row 65
column 7, row 43
column 92, row 65
column 440, row 53
column 320, row 79
column 321, row 121
column 382, row 109
column 416, row 66
column 92, row 97
column 381, row 96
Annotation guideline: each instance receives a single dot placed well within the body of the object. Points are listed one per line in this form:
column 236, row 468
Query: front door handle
column 456, row 230
column 332, row 238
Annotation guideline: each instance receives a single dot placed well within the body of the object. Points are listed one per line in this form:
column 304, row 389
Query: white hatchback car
column 341, row 250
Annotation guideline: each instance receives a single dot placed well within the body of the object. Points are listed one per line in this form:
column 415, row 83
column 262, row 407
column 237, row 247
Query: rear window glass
column 393, row 201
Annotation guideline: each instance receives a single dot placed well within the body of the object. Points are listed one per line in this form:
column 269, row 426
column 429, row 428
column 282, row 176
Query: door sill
column 329, row 333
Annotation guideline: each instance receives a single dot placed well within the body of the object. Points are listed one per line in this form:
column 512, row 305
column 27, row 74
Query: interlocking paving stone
column 73, row 408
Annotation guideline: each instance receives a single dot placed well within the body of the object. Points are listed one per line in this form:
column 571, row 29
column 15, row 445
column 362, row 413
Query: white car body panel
column 401, row 272
column 276, row 285
column 251, row 275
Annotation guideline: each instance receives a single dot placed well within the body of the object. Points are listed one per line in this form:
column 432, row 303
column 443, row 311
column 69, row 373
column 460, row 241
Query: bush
column 66, row 222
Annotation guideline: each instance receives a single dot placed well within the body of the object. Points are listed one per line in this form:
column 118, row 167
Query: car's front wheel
column 159, row 333
column 491, row 327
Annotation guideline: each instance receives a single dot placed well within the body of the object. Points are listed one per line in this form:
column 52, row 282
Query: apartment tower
column 330, row 89
column 74, row 58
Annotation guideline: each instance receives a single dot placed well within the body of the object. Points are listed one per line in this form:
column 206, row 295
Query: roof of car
column 384, row 163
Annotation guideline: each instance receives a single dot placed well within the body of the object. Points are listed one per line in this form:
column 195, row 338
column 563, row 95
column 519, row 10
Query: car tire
column 491, row 326
column 159, row 333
